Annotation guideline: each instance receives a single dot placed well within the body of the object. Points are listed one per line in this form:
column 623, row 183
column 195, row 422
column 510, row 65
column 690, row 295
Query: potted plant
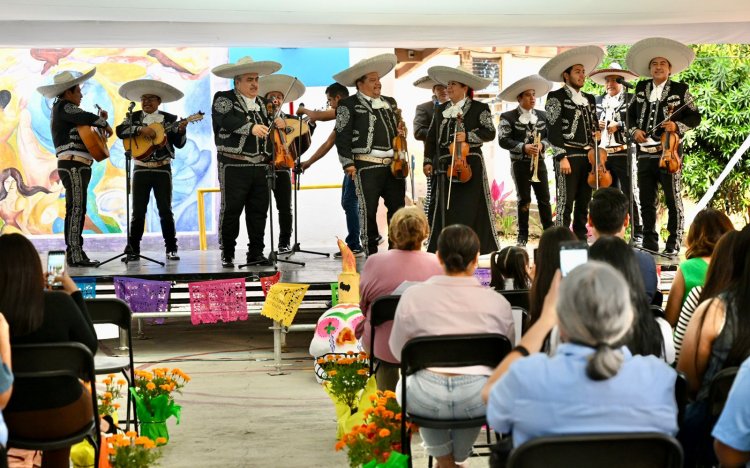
column 154, row 402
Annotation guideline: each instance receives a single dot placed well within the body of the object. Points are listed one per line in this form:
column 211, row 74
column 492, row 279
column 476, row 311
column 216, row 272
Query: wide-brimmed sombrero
column 640, row 55
column 426, row 82
column 535, row 82
column 64, row 80
column 443, row 75
column 246, row 65
column 600, row 76
column 281, row 83
column 133, row 90
column 382, row 64
column 588, row 56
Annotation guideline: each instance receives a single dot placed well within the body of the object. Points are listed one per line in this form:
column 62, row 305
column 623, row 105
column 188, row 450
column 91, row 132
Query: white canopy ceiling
column 386, row 23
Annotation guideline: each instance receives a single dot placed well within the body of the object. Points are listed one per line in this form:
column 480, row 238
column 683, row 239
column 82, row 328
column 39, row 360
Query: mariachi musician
column 74, row 158
column 154, row 171
column 272, row 88
column 659, row 58
column 572, row 124
column 611, row 108
column 459, row 123
column 523, row 132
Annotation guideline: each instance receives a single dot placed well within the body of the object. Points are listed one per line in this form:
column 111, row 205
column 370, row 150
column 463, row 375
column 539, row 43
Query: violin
column 459, row 170
column 400, row 162
column 282, row 156
column 670, row 142
column 599, row 177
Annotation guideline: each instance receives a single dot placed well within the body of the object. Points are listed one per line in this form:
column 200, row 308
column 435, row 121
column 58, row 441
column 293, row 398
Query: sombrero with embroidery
column 382, row 64
column 426, row 83
column 535, row 82
column 443, row 75
column 133, row 90
column 588, row 56
column 281, row 83
column 246, row 65
column 64, row 80
column 640, row 55
column 600, row 76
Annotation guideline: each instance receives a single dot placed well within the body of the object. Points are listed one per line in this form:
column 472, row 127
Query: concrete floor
column 234, row 414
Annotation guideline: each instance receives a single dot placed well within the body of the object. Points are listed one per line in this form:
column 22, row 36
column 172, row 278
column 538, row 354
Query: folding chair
column 516, row 297
column 486, row 349
column 613, row 450
column 719, row 391
column 116, row 312
column 382, row 310
column 658, row 311
column 65, row 359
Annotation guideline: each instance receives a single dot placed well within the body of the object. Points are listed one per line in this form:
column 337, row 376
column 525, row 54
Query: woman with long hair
column 546, row 263
column 36, row 315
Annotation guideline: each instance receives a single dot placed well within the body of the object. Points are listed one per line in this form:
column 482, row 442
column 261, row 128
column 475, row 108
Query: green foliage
column 719, row 81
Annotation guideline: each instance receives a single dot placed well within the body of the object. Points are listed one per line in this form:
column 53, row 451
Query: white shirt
column 251, row 104
column 154, row 117
column 577, row 97
column 527, row 116
column 376, row 103
column 656, row 92
column 452, row 111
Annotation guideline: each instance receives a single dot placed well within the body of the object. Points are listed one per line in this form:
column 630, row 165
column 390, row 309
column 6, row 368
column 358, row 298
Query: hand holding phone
column 572, row 254
column 55, row 268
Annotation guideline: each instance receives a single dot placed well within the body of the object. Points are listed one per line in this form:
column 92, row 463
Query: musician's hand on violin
column 427, row 169
column 280, row 123
column 639, row 136
column 669, row 126
column 147, row 132
column 565, row 166
column 351, row 171
column 531, row 150
column 613, row 127
column 261, row 131
column 182, row 126
column 461, row 137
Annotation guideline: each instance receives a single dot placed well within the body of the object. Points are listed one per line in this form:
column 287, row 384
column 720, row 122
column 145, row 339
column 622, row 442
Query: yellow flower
column 150, row 386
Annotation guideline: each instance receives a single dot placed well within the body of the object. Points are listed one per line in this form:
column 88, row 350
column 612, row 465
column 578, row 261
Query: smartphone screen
column 55, row 266
column 572, row 254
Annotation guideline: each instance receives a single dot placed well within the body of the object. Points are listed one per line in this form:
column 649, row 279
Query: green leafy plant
column 130, row 450
column 346, row 375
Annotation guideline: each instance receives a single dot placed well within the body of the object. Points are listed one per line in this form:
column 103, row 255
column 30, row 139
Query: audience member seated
column 451, row 304
column 546, row 262
column 732, row 431
column 6, row 380
column 384, row 272
column 718, row 336
column 510, row 269
column 593, row 384
column 717, row 279
column 35, row 315
column 650, row 335
column 608, row 216
column 707, row 228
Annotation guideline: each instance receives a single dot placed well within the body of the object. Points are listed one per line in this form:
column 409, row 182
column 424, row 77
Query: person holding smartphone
column 36, row 315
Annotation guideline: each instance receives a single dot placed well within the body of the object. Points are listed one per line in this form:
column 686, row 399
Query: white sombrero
column 64, row 80
column 382, row 64
column 535, row 82
column 443, row 75
column 281, row 83
column 133, row 90
column 600, row 76
column 588, row 56
column 246, row 65
column 426, row 83
column 640, row 55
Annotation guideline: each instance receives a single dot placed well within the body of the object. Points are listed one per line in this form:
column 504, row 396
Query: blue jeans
column 351, row 207
column 439, row 396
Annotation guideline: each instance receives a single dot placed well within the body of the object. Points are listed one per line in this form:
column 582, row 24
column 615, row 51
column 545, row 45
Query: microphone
column 622, row 81
column 131, row 106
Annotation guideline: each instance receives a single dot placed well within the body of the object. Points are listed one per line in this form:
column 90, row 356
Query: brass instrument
column 535, row 158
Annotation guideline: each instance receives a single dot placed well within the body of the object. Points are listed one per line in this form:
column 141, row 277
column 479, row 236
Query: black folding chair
column 116, row 312
column 382, row 310
column 486, row 349
column 516, row 297
column 719, row 391
column 611, row 450
column 681, row 397
column 66, row 359
column 658, row 311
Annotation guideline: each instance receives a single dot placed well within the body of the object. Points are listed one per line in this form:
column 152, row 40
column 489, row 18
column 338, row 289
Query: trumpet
column 535, row 159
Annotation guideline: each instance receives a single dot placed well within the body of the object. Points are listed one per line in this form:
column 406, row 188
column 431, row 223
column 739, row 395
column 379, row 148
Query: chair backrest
column 383, row 309
column 65, row 359
column 486, row 349
column 613, row 450
column 658, row 311
column 112, row 310
column 516, row 297
column 719, row 390
column 681, row 397
column 520, row 319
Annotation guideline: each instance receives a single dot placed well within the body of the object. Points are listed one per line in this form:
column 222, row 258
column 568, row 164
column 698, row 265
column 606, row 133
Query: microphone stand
column 128, row 157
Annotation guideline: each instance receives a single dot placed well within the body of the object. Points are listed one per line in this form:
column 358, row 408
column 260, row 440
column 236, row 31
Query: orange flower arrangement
column 379, row 435
column 111, row 392
column 154, row 402
column 346, row 375
column 159, row 381
column 130, row 450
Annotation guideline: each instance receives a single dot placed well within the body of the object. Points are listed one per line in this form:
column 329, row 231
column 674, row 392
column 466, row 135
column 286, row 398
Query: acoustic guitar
column 141, row 147
column 95, row 140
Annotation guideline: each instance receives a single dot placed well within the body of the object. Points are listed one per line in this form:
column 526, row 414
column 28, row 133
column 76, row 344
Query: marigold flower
column 332, row 373
column 161, row 440
column 107, row 381
column 116, row 405
column 106, row 396
column 150, row 386
column 362, row 372
column 131, row 434
column 384, row 433
column 121, row 382
column 320, row 360
column 340, row 445
column 389, row 394
column 373, row 397
column 111, row 376
column 166, row 387
column 350, row 353
column 123, row 443
column 142, row 440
